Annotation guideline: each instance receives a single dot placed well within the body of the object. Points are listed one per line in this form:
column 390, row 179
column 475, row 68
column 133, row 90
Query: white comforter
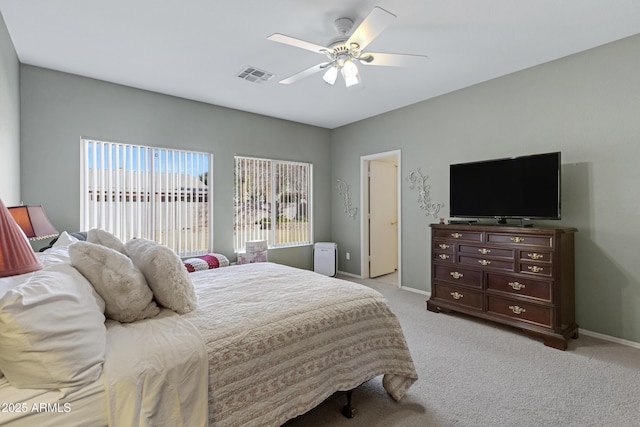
column 278, row 341
column 281, row 340
column 156, row 373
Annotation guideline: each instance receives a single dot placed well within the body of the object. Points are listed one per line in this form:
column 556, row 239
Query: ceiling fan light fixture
column 350, row 78
column 351, row 81
column 350, row 73
column 349, row 69
column 331, row 75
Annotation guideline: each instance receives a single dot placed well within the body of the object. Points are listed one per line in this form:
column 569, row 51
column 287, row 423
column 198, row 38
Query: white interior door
column 383, row 221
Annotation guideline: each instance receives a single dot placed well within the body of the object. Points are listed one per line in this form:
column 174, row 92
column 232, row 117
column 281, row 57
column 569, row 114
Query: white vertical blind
column 145, row 192
column 272, row 202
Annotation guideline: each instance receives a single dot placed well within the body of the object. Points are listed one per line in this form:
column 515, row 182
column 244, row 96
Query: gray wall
column 587, row 106
column 9, row 120
column 59, row 108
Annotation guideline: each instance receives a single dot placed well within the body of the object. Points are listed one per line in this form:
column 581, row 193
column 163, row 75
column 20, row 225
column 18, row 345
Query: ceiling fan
column 346, row 51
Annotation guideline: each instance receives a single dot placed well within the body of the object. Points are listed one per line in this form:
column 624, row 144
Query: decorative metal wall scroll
column 345, row 191
column 417, row 179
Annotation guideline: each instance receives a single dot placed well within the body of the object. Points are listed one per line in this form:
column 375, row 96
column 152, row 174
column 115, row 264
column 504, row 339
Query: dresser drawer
column 488, row 263
column 542, row 256
column 454, row 274
column 441, row 246
column 443, row 256
column 457, row 295
column 520, row 239
column 519, row 286
column 521, row 311
column 536, row 268
column 486, row 251
column 458, row 235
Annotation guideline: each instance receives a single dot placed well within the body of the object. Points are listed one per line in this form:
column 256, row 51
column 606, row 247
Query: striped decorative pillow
column 205, row 262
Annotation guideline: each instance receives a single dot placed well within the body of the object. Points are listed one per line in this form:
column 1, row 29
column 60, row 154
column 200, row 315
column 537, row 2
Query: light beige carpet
column 476, row 373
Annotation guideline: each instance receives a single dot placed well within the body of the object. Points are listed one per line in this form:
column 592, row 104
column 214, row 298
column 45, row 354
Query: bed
column 264, row 344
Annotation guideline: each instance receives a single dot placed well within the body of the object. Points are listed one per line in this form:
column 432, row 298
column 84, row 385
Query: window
column 272, row 202
column 153, row 193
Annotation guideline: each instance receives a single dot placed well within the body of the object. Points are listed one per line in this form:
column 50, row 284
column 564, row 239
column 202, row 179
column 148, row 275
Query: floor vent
column 254, row 75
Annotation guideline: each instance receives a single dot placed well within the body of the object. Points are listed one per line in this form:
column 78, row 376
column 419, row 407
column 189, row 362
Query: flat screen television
column 522, row 187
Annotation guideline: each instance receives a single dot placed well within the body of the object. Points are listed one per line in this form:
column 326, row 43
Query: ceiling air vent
column 254, row 75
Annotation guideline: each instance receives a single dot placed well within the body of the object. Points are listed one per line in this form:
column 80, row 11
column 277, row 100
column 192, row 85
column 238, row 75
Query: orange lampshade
column 16, row 255
column 33, row 221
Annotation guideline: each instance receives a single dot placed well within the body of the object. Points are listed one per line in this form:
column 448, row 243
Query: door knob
column 394, row 222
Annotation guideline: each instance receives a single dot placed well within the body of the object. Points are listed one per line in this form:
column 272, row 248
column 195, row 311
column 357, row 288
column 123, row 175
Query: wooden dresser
column 518, row 276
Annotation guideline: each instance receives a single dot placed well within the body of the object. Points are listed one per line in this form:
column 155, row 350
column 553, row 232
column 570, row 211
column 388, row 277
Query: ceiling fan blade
column 375, row 22
column 391, row 59
column 292, row 41
column 305, row 73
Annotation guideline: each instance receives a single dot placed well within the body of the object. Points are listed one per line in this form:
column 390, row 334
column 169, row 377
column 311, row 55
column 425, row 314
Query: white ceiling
column 195, row 48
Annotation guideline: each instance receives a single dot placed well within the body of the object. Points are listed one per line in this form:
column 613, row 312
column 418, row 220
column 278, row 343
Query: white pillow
column 120, row 283
column 104, row 238
column 59, row 252
column 64, row 240
column 52, row 330
column 165, row 273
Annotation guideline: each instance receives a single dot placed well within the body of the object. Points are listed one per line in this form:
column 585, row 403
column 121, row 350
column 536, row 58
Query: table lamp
column 16, row 255
column 33, row 221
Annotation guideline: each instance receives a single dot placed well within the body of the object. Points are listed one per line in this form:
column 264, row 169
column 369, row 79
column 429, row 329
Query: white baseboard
column 404, row 288
column 417, row 291
column 609, row 338
column 357, row 276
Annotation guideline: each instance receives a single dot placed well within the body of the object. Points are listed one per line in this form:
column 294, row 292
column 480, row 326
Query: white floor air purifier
column 325, row 258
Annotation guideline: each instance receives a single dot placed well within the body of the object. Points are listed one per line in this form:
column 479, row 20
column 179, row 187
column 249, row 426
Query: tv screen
column 518, row 187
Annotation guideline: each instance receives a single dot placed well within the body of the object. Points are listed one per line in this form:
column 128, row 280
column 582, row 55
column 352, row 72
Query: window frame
column 273, row 217
column 163, row 179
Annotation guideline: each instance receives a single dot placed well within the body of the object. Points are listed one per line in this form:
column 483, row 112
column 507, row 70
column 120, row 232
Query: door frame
column 364, row 203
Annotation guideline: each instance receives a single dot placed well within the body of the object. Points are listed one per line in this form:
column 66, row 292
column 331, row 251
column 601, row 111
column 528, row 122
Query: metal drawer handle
column 516, row 309
column 443, row 246
column 484, row 251
column 517, row 239
column 456, row 295
column 535, row 268
column 443, row 256
column 516, row 286
column 535, row 256
column 456, row 235
column 456, row 275
column 484, row 262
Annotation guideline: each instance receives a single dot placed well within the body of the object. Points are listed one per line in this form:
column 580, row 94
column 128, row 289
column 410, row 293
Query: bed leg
column 347, row 410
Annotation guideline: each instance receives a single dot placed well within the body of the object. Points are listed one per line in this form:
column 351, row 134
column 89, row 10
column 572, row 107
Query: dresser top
column 495, row 228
